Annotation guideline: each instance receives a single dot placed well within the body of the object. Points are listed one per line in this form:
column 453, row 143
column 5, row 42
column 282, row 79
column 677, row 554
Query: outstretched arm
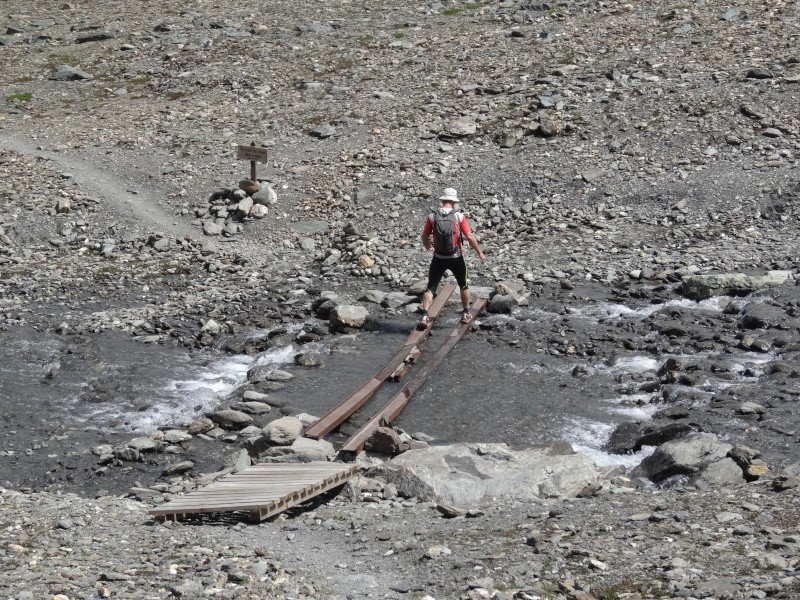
column 470, row 237
column 427, row 232
column 426, row 241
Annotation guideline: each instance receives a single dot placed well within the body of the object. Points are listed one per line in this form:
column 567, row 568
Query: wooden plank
column 342, row 411
column 261, row 490
column 400, row 372
column 400, row 400
column 278, row 467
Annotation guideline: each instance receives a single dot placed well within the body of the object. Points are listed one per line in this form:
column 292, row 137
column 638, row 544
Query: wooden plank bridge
column 261, row 490
column 264, row 490
column 400, row 400
column 408, row 353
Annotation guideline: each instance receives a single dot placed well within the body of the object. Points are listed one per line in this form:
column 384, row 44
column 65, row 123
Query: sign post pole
column 252, row 166
column 254, row 154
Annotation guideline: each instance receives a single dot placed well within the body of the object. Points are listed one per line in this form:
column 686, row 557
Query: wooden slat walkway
column 408, row 352
column 400, row 400
column 261, row 490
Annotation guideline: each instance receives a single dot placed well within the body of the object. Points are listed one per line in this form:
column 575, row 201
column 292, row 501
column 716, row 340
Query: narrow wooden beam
column 342, row 411
column 400, row 400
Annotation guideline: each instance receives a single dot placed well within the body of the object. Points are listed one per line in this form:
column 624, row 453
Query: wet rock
column 236, row 460
column 503, row 304
column 176, row 436
column 268, row 374
column 397, row 299
column 144, row 444
column 348, row 315
column 202, row 425
column 231, row 420
column 760, row 315
column 624, row 436
column 283, row 431
column 252, row 407
column 751, row 408
column 655, row 436
column 308, row 360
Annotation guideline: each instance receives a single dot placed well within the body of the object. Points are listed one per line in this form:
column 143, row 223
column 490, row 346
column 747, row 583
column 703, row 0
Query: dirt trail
column 130, row 194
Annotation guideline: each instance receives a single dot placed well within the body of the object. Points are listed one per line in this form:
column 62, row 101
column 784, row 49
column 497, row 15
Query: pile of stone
column 227, row 209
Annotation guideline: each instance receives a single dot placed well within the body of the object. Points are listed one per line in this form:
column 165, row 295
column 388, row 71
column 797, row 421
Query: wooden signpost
column 254, row 154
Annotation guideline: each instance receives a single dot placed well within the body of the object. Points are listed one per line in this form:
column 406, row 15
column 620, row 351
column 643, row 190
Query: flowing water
column 116, row 387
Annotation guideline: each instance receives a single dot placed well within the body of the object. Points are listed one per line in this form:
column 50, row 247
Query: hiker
column 447, row 252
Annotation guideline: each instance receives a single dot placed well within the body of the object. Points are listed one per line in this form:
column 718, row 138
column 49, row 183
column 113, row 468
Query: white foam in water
column 592, row 434
column 608, row 310
column 185, row 399
column 276, row 356
column 589, row 437
column 633, row 364
column 623, row 365
column 637, row 407
column 604, row 459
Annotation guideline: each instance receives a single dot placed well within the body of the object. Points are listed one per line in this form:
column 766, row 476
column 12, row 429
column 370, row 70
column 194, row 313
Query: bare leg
column 427, row 300
column 464, row 299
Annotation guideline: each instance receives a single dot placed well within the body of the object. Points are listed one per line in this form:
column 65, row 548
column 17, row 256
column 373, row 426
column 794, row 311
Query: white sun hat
column 450, row 195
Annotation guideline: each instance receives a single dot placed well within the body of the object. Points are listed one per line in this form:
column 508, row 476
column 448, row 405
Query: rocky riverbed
column 630, row 170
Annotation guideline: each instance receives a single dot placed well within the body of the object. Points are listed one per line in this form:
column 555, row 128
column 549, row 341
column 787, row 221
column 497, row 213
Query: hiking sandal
column 424, row 322
column 466, row 317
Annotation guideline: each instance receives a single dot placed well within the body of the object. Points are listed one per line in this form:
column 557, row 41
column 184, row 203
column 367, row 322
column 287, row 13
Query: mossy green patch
column 20, row 97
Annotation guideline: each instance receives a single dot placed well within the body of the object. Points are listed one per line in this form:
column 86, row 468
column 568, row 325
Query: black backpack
column 444, row 225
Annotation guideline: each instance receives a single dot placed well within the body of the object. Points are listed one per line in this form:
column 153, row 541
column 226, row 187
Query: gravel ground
column 621, row 146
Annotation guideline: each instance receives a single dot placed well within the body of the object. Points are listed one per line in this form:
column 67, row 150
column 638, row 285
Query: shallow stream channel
column 571, row 366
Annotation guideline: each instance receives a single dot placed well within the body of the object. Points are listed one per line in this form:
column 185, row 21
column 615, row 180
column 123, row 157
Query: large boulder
column 685, row 456
column 701, row 287
column 506, row 297
column 470, row 475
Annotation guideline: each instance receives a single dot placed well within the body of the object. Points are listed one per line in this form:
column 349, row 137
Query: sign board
column 252, row 153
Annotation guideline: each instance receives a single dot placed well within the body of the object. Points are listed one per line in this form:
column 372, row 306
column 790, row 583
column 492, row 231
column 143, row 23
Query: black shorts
column 457, row 266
